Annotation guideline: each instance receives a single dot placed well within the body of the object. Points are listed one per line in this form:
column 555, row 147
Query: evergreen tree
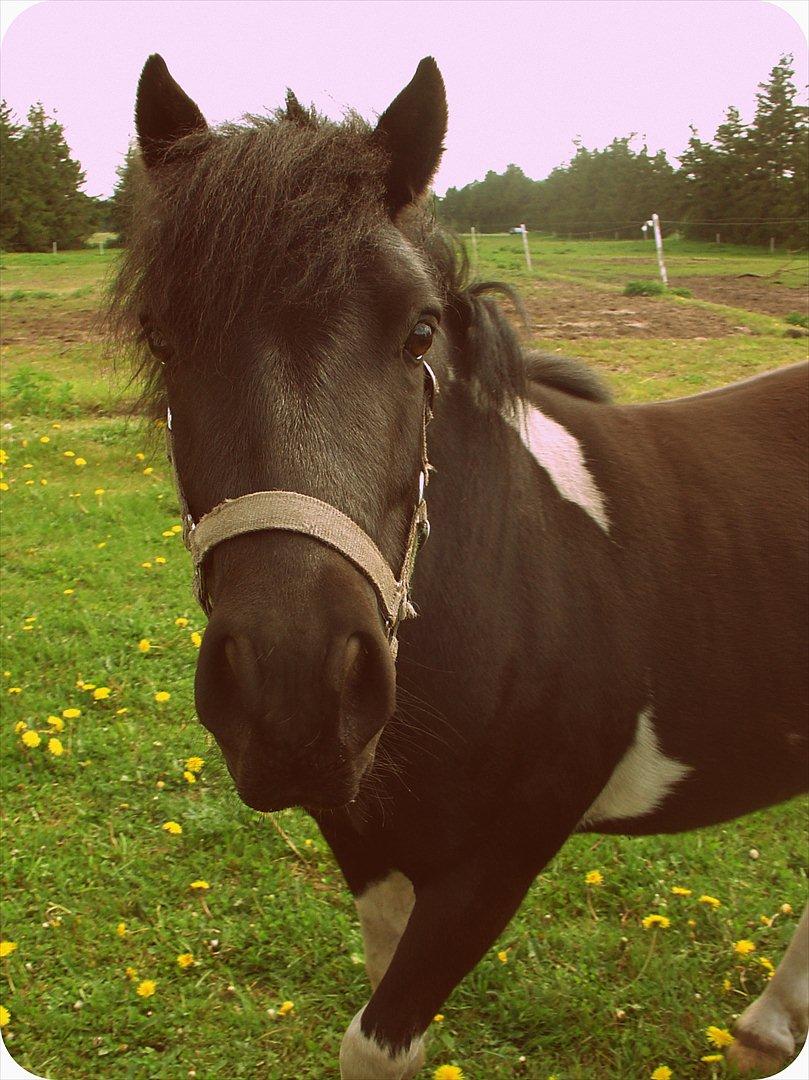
column 42, row 200
column 120, row 205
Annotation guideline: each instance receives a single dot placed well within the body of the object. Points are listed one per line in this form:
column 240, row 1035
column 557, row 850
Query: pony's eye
column 419, row 341
column 155, row 340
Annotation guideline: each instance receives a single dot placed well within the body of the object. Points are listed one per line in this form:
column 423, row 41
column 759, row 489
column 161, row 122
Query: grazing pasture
column 160, row 928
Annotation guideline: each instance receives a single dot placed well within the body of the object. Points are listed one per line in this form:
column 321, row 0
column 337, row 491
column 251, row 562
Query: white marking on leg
column 362, row 1058
column 384, row 909
column 560, row 454
column 640, row 781
column 769, row 1030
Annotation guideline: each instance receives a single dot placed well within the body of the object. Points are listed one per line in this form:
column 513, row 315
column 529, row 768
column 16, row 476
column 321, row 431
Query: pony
column 611, row 623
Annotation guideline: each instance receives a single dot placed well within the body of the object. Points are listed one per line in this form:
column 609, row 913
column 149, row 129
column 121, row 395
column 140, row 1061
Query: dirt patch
column 66, row 327
column 566, row 310
column 749, row 293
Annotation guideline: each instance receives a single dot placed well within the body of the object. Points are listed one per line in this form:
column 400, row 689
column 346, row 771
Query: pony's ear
column 163, row 111
column 412, row 130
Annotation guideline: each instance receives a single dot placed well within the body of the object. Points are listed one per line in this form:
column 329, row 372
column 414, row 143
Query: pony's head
column 276, row 276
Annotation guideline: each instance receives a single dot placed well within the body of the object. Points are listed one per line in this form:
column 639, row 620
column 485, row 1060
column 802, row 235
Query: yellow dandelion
column 144, row 645
column 68, row 592
column 4, row 486
column 20, row 727
column 43, row 481
column 159, row 560
column 28, row 466
column 103, row 544
column 131, row 973
column 656, row 920
column 120, row 712
column 148, row 470
column 146, row 565
column 80, row 461
column 172, row 827
column 285, row 1008
column 786, row 909
column 189, row 777
column 5, row 1016
column 120, row 929
column 3, row 457
column 176, row 529
column 55, row 747
column 162, row 696
column 185, row 960
column 767, row 965
column 68, row 453
column 146, row 988
column 15, row 690
column 727, row 985
column 196, row 638
column 56, row 722
column 71, row 714
column 448, row 1072
column 182, row 622
column 101, row 693
column 140, row 457
column 744, row 946
column 711, row 901
column 194, row 764
column 678, row 890
column 44, row 439
column 719, row 1036
column 167, row 534
column 7, row 948
column 31, row 739
column 502, row 956
column 199, row 884
column 662, row 1072
column 99, row 491
column 712, row 1059
column 593, row 877
column 438, row 1018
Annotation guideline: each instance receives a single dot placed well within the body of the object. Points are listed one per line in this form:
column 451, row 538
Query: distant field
column 97, row 894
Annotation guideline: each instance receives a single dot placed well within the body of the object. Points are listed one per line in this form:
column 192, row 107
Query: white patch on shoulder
column 640, row 781
column 362, row 1058
column 560, row 454
column 384, row 909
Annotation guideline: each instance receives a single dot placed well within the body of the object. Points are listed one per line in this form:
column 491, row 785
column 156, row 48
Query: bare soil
column 748, row 292
column 566, row 310
column 66, row 327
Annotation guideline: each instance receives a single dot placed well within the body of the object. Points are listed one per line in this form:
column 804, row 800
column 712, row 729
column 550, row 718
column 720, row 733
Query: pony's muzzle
column 294, row 705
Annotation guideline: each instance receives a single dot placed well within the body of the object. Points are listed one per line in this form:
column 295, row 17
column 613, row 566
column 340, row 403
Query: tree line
column 748, row 184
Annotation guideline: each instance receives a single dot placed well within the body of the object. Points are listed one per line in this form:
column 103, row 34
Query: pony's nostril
column 367, row 696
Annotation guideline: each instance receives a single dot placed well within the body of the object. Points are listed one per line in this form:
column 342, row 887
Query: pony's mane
column 291, row 202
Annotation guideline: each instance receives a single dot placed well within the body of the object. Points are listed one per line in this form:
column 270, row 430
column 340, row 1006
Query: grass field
column 98, row 625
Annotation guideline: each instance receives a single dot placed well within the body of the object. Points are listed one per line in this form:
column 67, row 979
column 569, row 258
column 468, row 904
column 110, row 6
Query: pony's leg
column 455, row 919
column 770, row 1031
column 384, row 909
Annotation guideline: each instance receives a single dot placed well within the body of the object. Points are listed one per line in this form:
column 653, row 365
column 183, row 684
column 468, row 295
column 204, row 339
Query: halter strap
column 292, row 511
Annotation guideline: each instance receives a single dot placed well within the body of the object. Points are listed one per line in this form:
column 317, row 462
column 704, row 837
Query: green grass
column 586, row 992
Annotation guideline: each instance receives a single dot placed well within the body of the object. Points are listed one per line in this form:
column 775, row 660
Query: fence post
column 53, row 248
column 525, row 246
column 772, row 245
column 659, row 246
column 474, row 249
column 717, row 238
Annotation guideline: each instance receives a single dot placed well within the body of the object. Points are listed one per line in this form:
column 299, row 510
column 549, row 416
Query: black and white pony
column 611, row 631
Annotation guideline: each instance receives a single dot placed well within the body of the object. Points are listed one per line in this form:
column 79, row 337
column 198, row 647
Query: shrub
column 644, row 288
column 37, row 393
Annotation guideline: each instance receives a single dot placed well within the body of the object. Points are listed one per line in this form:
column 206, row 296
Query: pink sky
column 524, row 77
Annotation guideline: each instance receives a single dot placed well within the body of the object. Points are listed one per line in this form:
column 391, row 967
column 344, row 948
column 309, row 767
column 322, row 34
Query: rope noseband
column 293, row 512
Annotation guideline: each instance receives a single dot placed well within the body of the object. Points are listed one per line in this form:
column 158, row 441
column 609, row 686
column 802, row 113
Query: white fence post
column 53, row 248
column 772, row 245
column 659, row 246
column 474, row 249
column 525, row 246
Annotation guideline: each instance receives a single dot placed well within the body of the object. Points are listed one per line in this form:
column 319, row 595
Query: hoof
column 757, row 1060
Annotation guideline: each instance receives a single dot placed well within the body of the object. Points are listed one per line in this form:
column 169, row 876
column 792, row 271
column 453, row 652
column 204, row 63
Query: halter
column 293, row 512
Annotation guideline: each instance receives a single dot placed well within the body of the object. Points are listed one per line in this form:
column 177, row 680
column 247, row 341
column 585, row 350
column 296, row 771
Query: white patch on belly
column 384, row 909
column 362, row 1058
column 640, row 781
column 560, row 455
